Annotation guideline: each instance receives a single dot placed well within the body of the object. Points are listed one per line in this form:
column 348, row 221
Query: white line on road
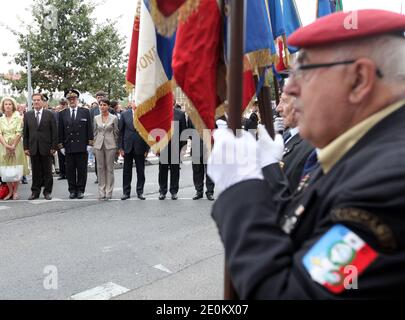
column 37, row 202
column 161, row 267
column 103, row 292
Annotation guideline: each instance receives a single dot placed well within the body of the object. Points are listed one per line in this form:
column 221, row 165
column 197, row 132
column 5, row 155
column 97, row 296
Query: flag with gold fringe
column 153, row 88
column 166, row 14
column 196, row 59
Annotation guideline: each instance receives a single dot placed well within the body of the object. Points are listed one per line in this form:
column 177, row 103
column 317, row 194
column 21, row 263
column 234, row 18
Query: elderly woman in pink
column 11, row 148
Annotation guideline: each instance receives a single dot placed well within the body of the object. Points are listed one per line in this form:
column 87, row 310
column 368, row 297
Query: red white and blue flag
column 153, row 88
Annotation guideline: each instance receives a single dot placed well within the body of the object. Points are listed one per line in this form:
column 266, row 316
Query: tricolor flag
column 195, row 62
column 133, row 54
column 153, row 87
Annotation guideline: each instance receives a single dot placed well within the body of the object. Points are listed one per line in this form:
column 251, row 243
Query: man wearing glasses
column 340, row 236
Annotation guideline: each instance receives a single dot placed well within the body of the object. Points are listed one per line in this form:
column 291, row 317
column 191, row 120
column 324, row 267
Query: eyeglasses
column 297, row 73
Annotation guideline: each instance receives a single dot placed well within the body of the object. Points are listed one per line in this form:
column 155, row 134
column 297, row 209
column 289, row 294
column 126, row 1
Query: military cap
column 63, row 100
column 345, row 26
column 101, row 94
column 72, row 93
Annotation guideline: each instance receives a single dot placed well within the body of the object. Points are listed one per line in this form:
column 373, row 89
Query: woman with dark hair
column 13, row 163
column 105, row 148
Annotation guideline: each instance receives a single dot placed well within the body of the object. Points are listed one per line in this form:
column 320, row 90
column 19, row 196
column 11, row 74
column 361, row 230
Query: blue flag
column 291, row 19
column 323, row 8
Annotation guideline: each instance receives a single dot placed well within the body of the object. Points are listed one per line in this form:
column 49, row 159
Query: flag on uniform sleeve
column 167, row 13
column 195, row 62
column 133, row 53
column 153, row 87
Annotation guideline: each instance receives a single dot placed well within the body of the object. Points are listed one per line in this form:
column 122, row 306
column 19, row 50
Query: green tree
column 70, row 50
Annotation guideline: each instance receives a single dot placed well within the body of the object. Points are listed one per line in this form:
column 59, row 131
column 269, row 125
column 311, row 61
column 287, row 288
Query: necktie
column 73, row 115
column 38, row 113
column 311, row 164
column 286, row 136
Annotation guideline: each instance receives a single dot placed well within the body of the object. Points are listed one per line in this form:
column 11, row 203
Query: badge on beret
column 339, row 248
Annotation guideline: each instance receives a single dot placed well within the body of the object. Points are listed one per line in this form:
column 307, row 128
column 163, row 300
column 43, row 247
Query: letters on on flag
column 153, row 89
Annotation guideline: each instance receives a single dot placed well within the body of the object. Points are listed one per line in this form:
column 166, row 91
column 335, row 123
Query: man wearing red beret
column 340, row 235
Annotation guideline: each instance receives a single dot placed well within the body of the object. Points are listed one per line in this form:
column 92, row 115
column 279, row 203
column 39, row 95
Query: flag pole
column 265, row 108
column 235, row 94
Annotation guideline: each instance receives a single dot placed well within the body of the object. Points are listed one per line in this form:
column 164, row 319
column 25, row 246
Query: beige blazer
column 106, row 133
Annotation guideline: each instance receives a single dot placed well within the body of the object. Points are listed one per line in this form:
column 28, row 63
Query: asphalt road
column 90, row 249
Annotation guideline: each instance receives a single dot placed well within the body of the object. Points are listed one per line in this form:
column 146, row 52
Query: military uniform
column 360, row 198
column 340, row 235
column 74, row 136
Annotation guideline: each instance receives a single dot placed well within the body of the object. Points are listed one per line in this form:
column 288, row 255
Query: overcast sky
column 124, row 11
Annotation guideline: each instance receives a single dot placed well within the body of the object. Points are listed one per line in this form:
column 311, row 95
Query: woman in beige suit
column 105, row 148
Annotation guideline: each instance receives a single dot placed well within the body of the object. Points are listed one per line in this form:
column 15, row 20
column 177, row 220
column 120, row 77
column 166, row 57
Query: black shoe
column 24, row 180
column 174, row 196
column 162, row 196
column 80, row 195
column 33, row 197
column 198, row 196
column 125, row 197
column 47, row 196
column 141, row 197
column 62, row 177
column 210, row 197
column 72, row 195
column 96, row 181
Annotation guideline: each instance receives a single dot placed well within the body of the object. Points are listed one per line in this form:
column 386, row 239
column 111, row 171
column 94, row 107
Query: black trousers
column 76, row 171
column 127, row 172
column 199, row 171
column 41, row 174
column 62, row 169
column 174, row 174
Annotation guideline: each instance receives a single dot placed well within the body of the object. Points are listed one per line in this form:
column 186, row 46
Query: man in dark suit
column 40, row 143
column 132, row 147
column 200, row 167
column 75, row 134
column 296, row 149
column 170, row 156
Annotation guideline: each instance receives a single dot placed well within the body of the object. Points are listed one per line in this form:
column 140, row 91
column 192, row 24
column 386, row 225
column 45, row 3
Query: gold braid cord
column 146, row 107
column 166, row 26
column 260, row 58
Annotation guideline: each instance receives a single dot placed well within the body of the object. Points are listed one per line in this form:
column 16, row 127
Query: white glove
column 63, row 151
column 89, row 148
column 233, row 159
column 279, row 124
column 271, row 151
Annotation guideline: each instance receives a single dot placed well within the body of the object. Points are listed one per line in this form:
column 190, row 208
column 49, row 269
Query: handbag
column 4, row 191
column 11, row 173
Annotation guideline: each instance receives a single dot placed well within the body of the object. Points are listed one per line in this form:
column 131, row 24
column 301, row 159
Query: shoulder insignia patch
column 382, row 232
column 327, row 261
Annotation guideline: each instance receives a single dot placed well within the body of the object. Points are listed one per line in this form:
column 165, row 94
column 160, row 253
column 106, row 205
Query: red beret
column 343, row 26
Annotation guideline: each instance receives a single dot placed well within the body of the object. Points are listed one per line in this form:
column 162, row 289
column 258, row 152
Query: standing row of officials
column 74, row 131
